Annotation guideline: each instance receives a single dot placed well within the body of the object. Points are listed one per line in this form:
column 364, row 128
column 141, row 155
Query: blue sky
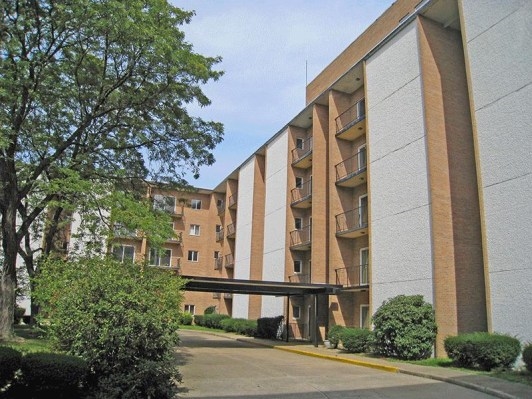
column 270, row 49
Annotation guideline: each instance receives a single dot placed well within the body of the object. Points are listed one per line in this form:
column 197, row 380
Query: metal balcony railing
column 231, row 230
column 352, row 220
column 218, row 262
column 231, row 203
column 351, row 116
column 353, row 276
column 302, row 151
column 299, row 278
column 302, row 192
column 229, row 261
column 173, row 263
column 300, row 236
column 177, row 239
column 220, row 235
column 220, row 207
column 351, row 166
column 121, row 231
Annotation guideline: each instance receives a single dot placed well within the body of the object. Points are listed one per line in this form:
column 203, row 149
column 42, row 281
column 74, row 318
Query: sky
column 270, row 49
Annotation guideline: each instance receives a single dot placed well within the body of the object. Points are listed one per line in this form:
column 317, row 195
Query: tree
column 92, row 94
column 120, row 318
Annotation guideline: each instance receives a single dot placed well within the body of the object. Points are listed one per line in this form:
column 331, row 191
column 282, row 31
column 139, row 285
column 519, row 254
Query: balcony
column 300, row 239
column 229, row 261
column 174, row 263
column 220, row 206
column 216, row 295
column 352, row 171
column 302, row 195
column 220, row 235
column 121, row 231
column 353, row 277
column 177, row 239
column 351, row 124
column 218, row 262
column 228, row 295
column 353, row 223
column 302, row 154
column 299, row 278
column 231, row 203
column 231, row 230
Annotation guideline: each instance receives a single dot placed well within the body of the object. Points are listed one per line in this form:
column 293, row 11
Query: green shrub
column 19, row 314
column 270, row 327
column 199, row 320
column 355, row 339
column 210, row 310
column 483, row 350
column 405, row 328
column 240, row 326
column 53, row 374
column 527, row 356
column 213, row 320
column 186, row 318
column 9, row 363
column 334, row 335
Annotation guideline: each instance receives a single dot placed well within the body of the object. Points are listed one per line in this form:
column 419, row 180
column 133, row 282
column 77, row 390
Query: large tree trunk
column 8, row 277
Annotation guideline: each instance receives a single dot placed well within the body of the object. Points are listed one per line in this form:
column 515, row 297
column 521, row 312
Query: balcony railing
column 353, row 276
column 351, row 123
column 231, row 230
column 177, row 239
column 302, row 195
column 299, row 278
column 231, row 203
column 220, row 235
column 121, row 231
column 348, row 170
column 229, row 261
column 218, row 262
column 216, row 295
column 301, row 155
column 352, row 223
column 174, row 263
column 220, row 207
column 300, row 238
column 228, row 295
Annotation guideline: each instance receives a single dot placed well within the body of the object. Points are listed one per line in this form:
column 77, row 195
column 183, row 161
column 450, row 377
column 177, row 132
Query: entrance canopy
column 257, row 287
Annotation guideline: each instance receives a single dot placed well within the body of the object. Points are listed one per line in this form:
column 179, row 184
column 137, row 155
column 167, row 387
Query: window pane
column 117, row 252
column 129, row 252
column 195, row 204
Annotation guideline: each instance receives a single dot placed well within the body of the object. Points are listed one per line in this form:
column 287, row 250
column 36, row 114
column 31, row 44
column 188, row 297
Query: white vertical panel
column 401, row 247
column 275, row 221
column 244, row 224
column 498, row 38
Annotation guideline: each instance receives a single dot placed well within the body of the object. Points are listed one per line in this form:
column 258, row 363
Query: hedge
column 186, row 318
column 355, row 339
column 240, row 326
column 527, row 356
column 270, row 327
column 483, row 350
column 334, row 334
column 10, row 360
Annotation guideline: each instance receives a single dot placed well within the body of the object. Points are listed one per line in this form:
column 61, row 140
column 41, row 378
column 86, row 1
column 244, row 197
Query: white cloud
column 265, row 46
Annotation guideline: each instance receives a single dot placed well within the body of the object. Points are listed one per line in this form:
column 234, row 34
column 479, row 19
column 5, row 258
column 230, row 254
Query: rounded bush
column 527, row 356
column 19, row 314
column 240, row 326
column 199, row 320
column 483, row 350
column 53, row 374
column 270, row 327
column 213, row 320
column 10, row 360
column 405, row 328
column 186, row 318
column 334, row 335
column 355, row 339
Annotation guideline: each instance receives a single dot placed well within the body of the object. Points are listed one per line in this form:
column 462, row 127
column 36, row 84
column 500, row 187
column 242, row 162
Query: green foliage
column 483, row 350
column 52, row 374
column 334, row 334
column 270, row 327
column 198, row 320
column 240, row 326
column 9, row 363
column 210, row 310
column 213, row 320
column 527, row 356
column 19, row 313
column 405, row 327
column 355, row 339
column 115, row 316
column 186, row 318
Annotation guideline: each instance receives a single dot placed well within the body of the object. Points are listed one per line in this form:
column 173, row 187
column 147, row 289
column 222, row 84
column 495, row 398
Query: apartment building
column 407, row 172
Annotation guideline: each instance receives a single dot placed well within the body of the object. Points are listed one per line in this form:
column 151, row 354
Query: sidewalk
column 489, row 385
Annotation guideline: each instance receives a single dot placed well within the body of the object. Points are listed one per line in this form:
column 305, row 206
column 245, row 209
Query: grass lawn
column 200, row 328
column 28, row 339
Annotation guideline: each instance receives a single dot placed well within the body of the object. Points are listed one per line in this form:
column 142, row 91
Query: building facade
column 407, row 172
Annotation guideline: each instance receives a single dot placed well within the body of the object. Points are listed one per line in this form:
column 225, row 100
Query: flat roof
column 256, row 287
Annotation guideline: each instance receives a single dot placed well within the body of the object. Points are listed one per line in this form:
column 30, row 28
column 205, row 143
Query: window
column 195, row 204
column 296, row 312
column 299, row 143
column 194, row 229
column 123, row 252
column 298, row 266
column 219, row 203
column 364, row 316
column 216, row 254
column 299, row 182
column 218, row 228
column 190, row 309
column 298, row 223
column 164, row 203
column 160, row 257
column 362, row 158
column 364, row 261
column 193, row 256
